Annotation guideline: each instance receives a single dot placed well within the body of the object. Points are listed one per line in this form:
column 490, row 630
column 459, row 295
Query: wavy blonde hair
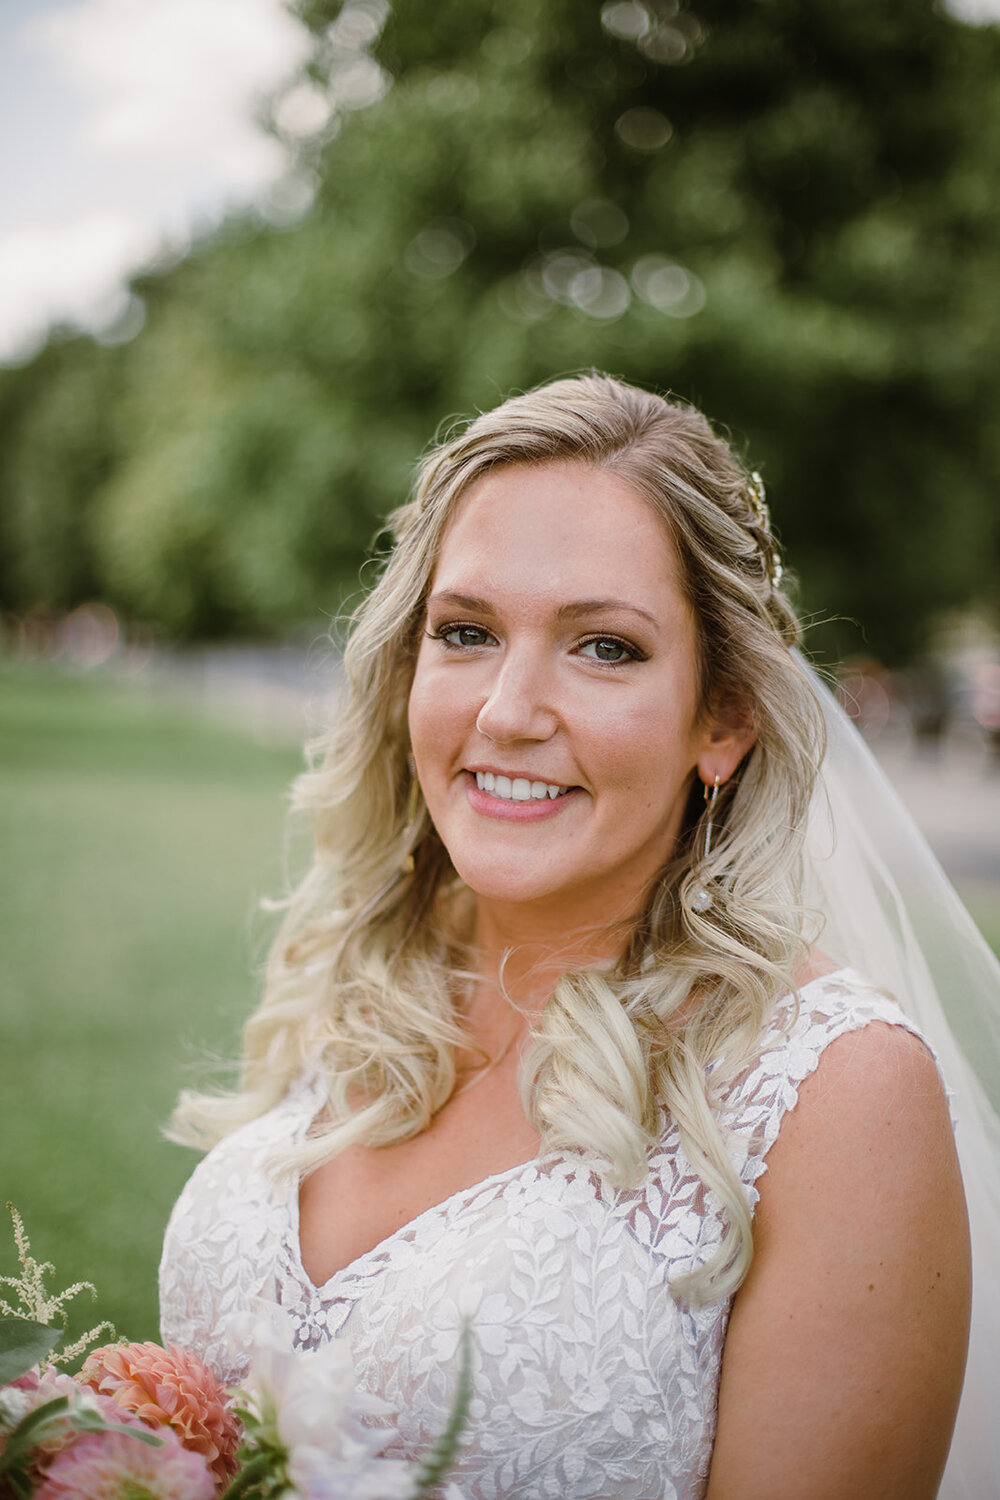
column 366, row 974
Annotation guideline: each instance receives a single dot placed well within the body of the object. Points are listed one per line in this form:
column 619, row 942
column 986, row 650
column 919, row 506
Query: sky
column 128, row 123
column 125, row 123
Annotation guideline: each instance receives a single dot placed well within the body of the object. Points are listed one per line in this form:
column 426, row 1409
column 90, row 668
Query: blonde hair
column 365, row 972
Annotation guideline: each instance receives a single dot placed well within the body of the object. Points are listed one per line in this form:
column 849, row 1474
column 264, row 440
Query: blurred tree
column 784, row 211
column 56, row 450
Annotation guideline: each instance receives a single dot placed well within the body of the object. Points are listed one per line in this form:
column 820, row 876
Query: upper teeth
column 518, row 788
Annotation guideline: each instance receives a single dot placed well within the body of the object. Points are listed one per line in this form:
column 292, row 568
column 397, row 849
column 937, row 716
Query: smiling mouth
column 518, row 788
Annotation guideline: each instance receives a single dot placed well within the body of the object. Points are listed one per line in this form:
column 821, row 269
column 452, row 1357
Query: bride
column 552, row 1038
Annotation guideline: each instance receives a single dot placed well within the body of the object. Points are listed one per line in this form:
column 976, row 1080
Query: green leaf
column 33, row 1429
column 442, row 1455
column 23, row 1344
column 45, row 1421
column 257, row 1471
column 20, row 1485
column 87, row 1420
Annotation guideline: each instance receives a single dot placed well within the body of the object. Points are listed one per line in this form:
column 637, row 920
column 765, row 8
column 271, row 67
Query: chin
column 507, row 881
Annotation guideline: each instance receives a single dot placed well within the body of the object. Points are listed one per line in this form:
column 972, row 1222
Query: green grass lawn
column 137, row 841
column 984, row 906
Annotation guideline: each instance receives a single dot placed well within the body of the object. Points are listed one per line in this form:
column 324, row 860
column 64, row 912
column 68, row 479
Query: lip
column 515, row 812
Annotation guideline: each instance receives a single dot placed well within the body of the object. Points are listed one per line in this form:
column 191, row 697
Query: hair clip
column 757, row 499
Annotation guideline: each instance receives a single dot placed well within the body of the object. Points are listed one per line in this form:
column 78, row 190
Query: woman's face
column 554, row 714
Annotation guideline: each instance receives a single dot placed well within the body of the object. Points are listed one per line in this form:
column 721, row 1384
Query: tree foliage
column 782, row 210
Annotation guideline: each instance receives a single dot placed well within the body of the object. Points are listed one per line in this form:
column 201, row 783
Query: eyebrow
column 570, row 611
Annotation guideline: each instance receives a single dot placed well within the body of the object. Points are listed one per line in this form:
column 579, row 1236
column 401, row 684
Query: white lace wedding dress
column 589, row 1379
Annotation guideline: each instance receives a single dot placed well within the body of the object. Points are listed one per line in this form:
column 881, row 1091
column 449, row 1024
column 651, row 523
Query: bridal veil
column 890, row 912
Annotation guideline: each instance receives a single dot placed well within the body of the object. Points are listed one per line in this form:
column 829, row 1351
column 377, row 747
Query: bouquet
column 140, row 1422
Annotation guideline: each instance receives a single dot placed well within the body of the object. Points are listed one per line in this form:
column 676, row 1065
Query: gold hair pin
column 762, row 516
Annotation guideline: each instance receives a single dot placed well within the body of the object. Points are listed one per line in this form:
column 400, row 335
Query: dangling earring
column 701, row 897
column 412, row 815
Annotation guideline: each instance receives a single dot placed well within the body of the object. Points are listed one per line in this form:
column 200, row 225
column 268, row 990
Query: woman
column 540, row 1011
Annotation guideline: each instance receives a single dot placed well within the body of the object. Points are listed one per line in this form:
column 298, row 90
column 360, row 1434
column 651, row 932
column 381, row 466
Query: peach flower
column 169, row 1387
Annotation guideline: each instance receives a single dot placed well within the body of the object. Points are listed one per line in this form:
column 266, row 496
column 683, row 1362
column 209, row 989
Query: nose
column 519, row 705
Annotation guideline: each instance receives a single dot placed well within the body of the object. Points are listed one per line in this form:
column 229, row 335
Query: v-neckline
column 358, row 1265
column 440, row 1209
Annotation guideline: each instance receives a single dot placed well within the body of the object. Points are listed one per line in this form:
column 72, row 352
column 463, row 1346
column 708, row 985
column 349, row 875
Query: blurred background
column 252, row 256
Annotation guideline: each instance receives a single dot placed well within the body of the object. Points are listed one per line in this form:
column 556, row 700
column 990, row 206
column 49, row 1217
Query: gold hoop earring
column 701, row 899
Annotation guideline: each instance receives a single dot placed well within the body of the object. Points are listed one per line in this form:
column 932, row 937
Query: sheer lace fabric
column 590, row 1380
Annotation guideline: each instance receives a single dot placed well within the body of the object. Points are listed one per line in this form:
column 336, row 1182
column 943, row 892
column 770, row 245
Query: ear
column 729, row 735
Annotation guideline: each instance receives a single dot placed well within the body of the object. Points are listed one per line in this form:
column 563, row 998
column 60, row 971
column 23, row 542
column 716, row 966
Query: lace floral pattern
column 590, row 1380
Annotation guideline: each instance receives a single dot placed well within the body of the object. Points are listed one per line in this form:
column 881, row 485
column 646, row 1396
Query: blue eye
column 605, row 648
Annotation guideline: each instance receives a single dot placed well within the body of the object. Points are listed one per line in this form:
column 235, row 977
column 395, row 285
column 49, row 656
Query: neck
column 524, row 955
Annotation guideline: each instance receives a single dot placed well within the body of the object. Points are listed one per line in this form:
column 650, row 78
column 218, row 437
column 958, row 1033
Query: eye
column 609, row 650
column 462, row 635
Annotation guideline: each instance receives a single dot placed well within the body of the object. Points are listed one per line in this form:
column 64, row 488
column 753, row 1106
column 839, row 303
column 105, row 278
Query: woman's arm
column 844, row 1357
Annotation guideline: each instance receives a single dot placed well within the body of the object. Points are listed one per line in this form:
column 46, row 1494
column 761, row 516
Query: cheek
column 421, row 722
column 436, row 717
column 649, row 754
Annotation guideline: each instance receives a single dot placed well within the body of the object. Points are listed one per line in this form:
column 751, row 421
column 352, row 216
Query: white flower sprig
column 37, row 1303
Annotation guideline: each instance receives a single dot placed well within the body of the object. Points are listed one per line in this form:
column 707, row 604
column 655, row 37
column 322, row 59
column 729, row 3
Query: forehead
column 563, row 526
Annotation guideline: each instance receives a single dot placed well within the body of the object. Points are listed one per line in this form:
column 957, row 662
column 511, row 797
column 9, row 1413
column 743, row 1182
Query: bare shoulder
column 879, row 1073
column 869, row 1143
column 846, row 1345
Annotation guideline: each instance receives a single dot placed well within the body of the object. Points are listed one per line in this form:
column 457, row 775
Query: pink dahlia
column 37, row 1388
column 168, row 1387
column 113, row 1466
